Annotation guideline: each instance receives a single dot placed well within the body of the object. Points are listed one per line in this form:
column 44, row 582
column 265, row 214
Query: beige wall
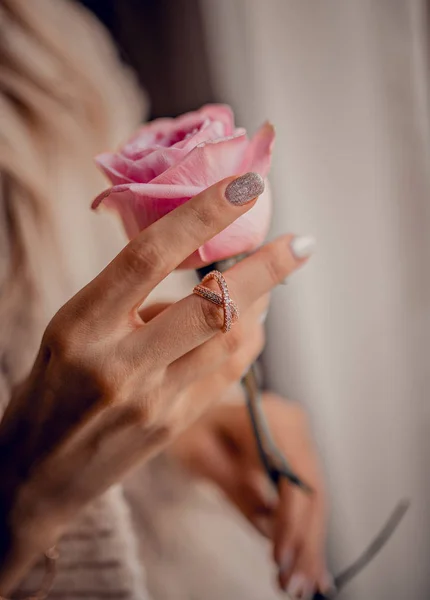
column 345, row 83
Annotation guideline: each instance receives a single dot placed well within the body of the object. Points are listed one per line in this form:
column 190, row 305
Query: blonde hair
column 64, row 96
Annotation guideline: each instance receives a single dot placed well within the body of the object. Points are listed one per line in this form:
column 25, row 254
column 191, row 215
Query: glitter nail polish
column 244, row 188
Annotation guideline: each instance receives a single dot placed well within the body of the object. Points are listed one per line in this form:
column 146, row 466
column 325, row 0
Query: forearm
column 17, row 551
column 14, row 564
column 26, row 529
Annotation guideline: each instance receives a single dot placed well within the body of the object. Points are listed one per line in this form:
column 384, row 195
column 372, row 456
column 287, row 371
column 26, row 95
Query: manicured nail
column 244, row 188
column 328, row 586
column 298, row 584
column 303, row 246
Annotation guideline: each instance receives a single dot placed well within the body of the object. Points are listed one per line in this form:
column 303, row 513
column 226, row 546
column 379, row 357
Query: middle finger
column 210, row 356
column 194, row 320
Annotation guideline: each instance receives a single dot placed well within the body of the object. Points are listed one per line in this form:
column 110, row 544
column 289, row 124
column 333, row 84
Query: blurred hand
column 221, row 447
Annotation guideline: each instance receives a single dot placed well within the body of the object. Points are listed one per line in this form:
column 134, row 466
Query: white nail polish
column 297, row 585
column 303, row 246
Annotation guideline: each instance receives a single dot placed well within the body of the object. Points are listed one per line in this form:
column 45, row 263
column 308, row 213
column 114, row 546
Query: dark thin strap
column 375, row 546
column 274, row 462
column 371, row 551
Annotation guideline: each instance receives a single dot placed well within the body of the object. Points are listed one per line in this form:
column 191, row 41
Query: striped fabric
column 98, row 557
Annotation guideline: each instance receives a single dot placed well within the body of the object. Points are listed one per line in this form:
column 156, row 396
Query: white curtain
column 345, row 83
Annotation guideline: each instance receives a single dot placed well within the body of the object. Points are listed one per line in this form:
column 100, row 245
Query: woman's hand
column 221, row 447
column 108, row 389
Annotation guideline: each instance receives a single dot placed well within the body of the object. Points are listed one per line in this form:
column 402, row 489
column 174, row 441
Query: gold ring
column 231, row 312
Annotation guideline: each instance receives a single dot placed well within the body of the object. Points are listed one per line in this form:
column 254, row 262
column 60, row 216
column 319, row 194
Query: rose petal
column 161, row 133
column 184, row 132
column 212, row 130
column 243, row 235
column 169, row 161
column 113, row 166
column 138, row 210
column 149, row 167
column 139, row 204
column 146, row 136
column 222, row 113
column 184, row 129
column 259, row 152
column 189, row 120
column 239, row 131
column 121, row 169
column 207, row 163
column 139, row 191
column 152, row 162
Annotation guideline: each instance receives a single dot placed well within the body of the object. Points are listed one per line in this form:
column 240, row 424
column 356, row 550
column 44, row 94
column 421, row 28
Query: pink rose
column 170, row 160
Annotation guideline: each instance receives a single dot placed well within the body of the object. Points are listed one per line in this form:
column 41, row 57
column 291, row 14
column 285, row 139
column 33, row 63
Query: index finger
column 165, row 244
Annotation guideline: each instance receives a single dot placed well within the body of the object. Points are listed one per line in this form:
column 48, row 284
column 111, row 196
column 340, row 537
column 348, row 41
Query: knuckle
column 275, row 263
column 152, row 414
column 203, row 215
column 212, row 315
column 71, row 329
column 59, row 336
column 144, row 257
column 84, row 370
column 244, row 354
column 137, row 414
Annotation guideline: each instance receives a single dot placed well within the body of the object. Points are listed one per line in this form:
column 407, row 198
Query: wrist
column 26, row 533
column 26, row 529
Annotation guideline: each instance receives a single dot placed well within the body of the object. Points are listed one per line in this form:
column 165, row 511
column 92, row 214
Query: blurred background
column 346, row 84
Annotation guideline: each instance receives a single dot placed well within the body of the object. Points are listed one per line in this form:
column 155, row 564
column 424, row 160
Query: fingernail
column 286, row 561
column 303, row 246
column 244, row 188
column 298, row 584
column 308, row 591
column 328, row 586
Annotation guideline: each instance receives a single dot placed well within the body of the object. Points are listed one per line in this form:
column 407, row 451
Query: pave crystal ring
column 231, row 312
